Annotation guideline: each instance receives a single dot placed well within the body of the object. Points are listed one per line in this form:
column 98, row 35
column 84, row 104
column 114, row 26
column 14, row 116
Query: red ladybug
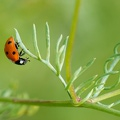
column 12, row 53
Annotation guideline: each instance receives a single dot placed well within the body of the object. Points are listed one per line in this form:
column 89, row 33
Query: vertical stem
column 70, row 47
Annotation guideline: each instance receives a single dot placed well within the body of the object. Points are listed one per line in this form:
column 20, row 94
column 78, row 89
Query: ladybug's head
column 22, row 61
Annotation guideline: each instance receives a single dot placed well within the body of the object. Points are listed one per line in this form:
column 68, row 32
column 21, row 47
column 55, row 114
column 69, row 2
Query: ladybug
column 12, row 53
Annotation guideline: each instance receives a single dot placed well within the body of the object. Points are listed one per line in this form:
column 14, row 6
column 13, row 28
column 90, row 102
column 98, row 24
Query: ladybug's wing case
column 11, row 50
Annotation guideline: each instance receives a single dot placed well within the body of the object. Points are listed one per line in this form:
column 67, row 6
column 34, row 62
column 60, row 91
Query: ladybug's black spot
column 9, row 42
column 13, row 52
column 6, row 53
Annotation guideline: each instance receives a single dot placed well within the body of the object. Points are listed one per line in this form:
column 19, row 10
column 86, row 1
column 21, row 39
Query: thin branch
column 67, row 103
column 106, row 96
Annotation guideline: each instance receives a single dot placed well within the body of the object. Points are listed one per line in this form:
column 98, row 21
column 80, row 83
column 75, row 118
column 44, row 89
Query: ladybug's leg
column 28, row 59
column 21, row 53
column 16, row 45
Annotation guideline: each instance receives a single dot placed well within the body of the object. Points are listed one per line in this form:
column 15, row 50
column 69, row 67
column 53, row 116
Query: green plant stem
column 105, row 96
column 67, row 103
column 69, row 50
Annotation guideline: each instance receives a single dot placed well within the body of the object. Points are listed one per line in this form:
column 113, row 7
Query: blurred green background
column 97, row 33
